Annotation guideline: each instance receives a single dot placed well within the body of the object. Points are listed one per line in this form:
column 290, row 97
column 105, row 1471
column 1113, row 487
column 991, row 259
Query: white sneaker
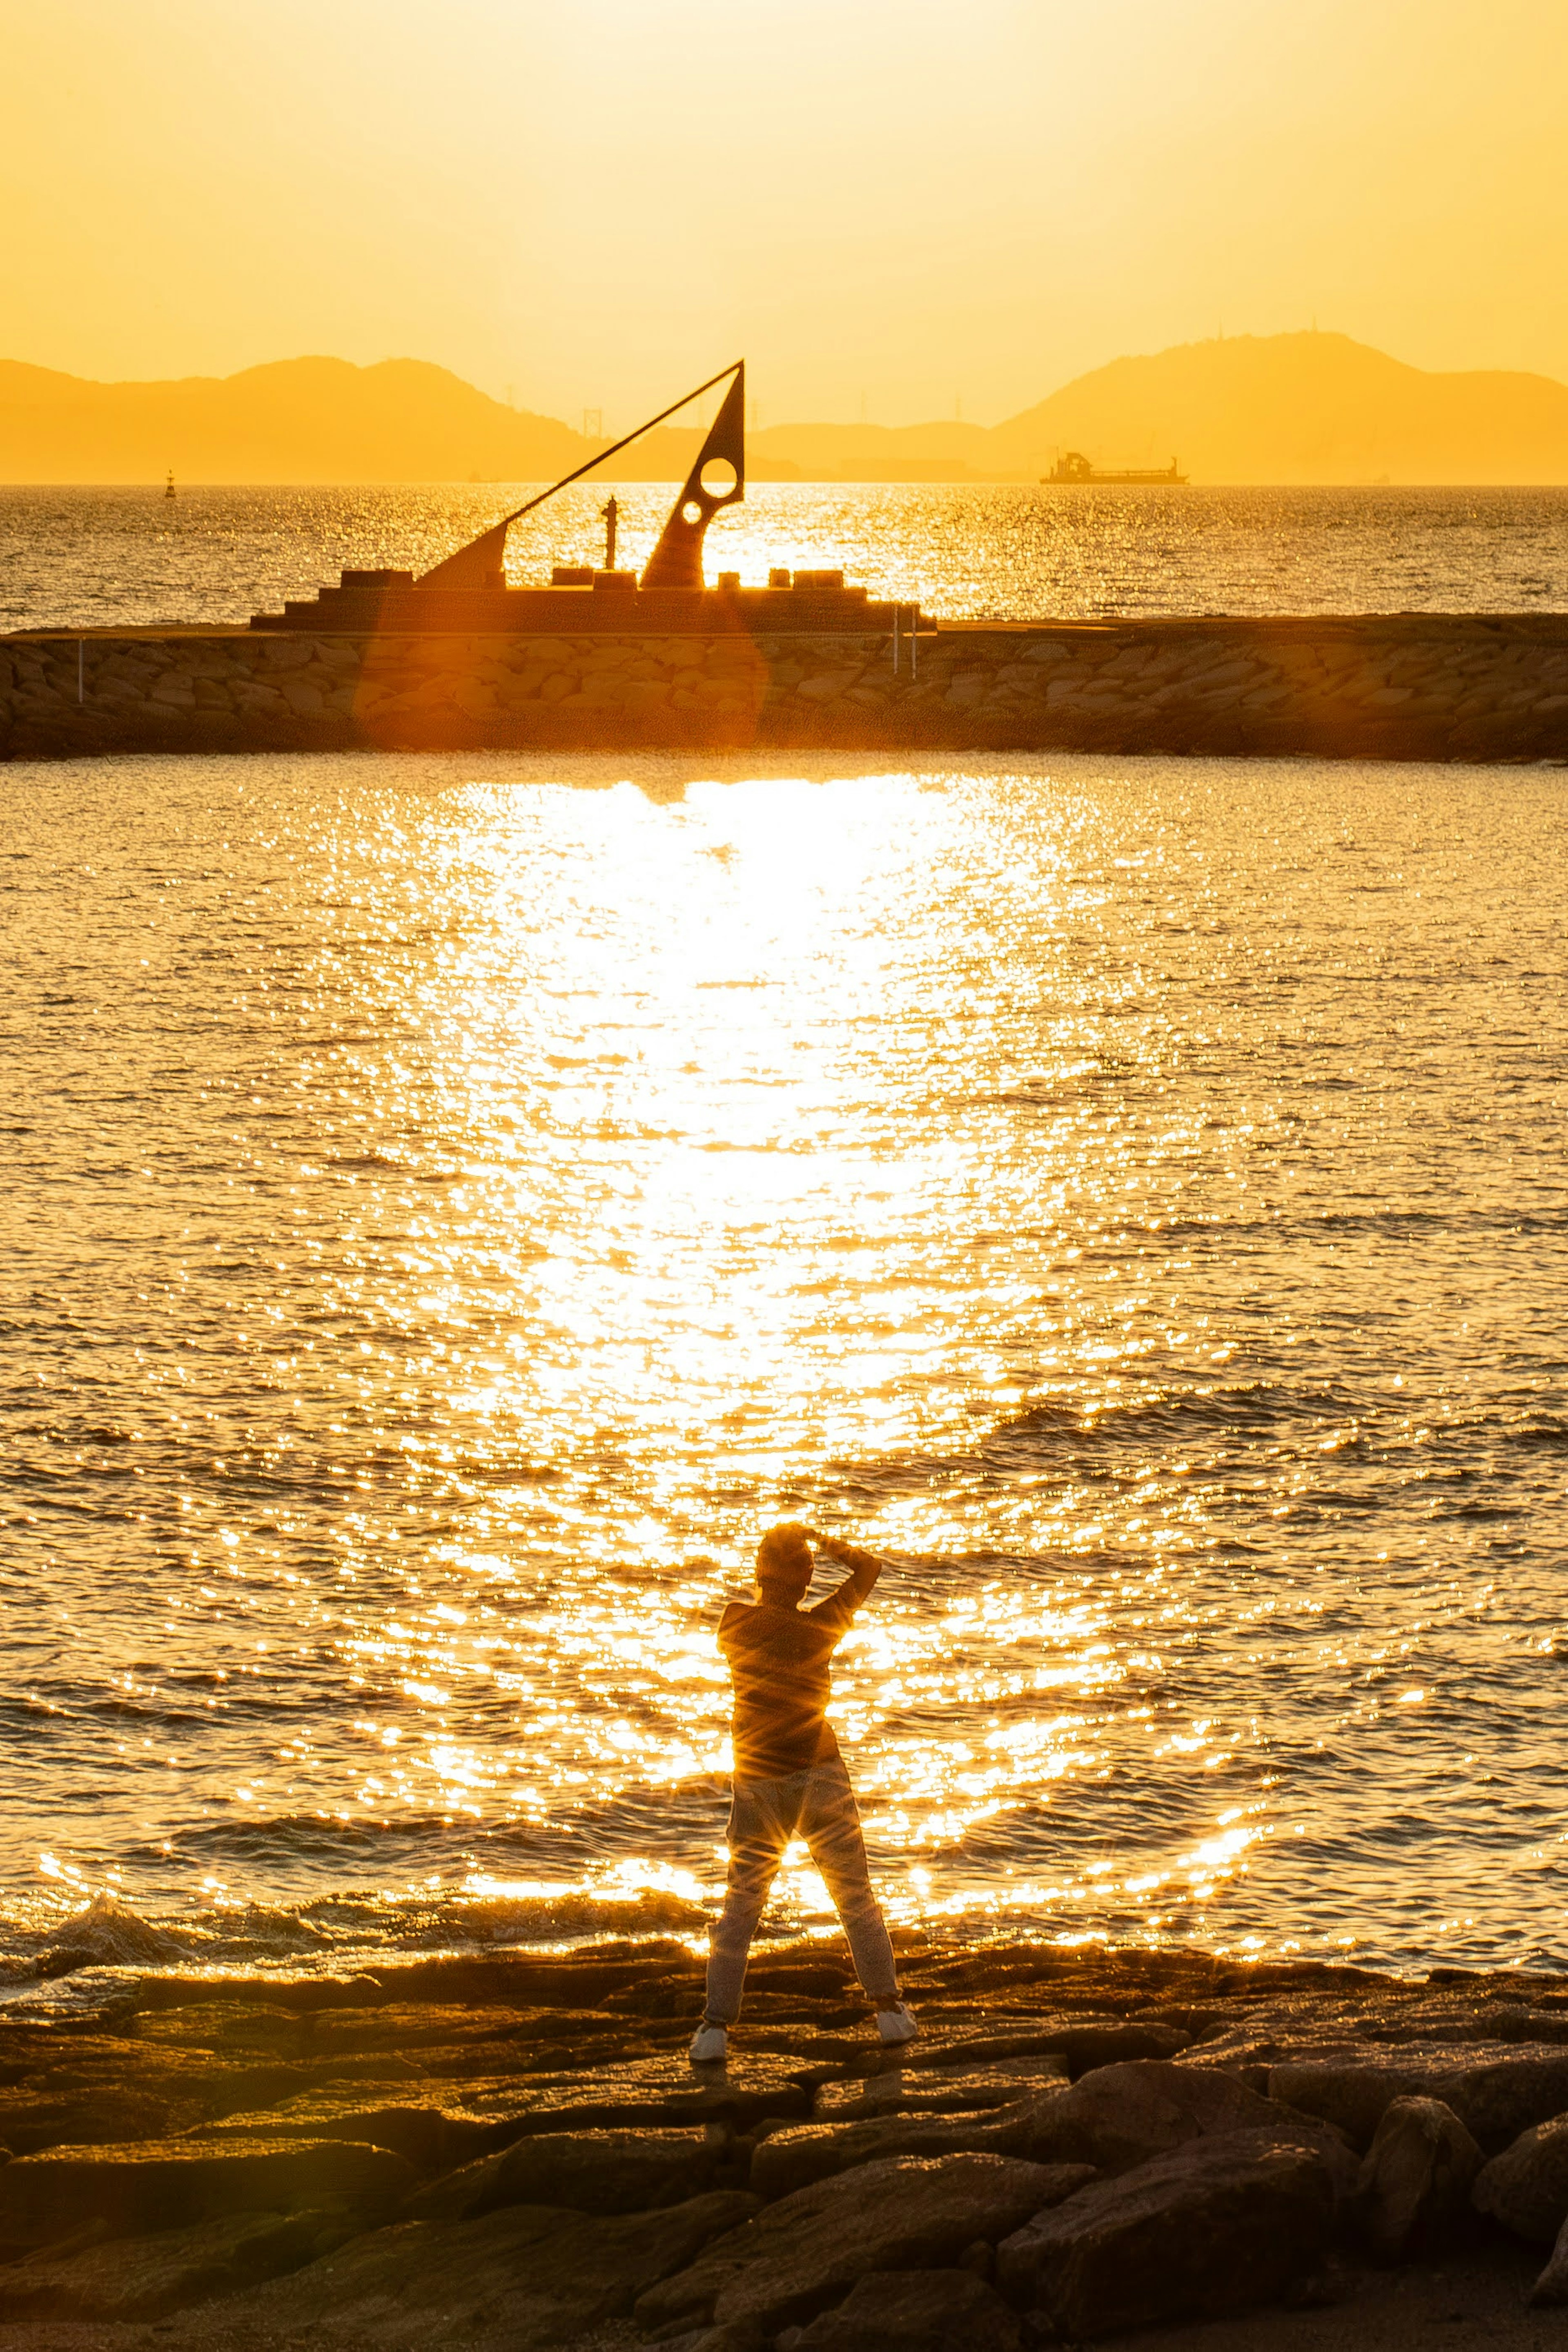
column 708, row 2044
column 897, row 2024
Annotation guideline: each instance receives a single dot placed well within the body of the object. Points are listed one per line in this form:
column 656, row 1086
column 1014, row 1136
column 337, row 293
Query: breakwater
column 1399, row 686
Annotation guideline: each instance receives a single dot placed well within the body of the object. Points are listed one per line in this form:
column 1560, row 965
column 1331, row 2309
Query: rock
column 1241, row 2051
column 151, row 2185
column 937, row 2090
column 1526, row 2188
column 1121, row 2115
column 587, row 2172
column 804, row 2253
column 1497, row 2090
column 1081, row 2043
column 1550, row 2291
column 649, row 2093
column 1217, row 2226
column 914, row 2311
column 28, row 2123
column 801, row 2153
column 427, row 2136
column 143, row 2278
column 536, row 2274
column 1414, row 2186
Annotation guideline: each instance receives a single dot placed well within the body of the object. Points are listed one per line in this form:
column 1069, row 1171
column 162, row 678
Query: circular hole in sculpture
column 719, row 477
column 691, row 512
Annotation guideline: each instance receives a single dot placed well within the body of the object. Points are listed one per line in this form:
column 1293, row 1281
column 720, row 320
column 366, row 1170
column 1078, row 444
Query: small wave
column 110, row 1934
column 1544, row 1436
column 334, row 1933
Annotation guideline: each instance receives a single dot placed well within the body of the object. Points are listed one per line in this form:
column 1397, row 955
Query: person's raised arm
column 864, row 1568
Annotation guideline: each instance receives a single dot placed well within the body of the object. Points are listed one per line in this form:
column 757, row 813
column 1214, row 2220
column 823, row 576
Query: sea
column 453, row 1203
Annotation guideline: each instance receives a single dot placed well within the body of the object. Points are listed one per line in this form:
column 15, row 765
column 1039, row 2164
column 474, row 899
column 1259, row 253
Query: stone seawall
column 1409, row 686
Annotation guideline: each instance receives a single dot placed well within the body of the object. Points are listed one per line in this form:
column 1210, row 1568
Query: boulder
column 155, row 2185
column 1526, row 2188
column 1550, row 2291
column 1121, row 2115
column 801, row 2153
column 650, row 2094
column 912, row 2311
column 1082, row 2044
column 1216, row 2226
column 1241, row 2051
column 536, row 2275
column 1088, row 2042
column 122, row 2091
column 391, row 2027
column 143, row 2278
column 938, row 2090
column 1496, row 2089
column 431, row 2135
column 1414, row 2190
column 803, row 2254
column 29, row 2122
column 587, row 2172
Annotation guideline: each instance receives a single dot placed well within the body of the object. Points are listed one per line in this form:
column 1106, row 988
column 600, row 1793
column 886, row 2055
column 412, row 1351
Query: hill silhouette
column 1300, row 408
column 1247, row 408
column 306, row 420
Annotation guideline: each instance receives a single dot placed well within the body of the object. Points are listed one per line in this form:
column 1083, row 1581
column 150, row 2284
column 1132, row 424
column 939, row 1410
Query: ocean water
column 86, row 558
column 452, row 1204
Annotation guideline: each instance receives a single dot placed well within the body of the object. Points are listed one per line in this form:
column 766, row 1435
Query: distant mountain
column 1247, row 408
column 308, row 420
column 1297, row 408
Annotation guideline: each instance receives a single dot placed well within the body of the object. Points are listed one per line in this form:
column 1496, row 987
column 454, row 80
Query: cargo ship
column 1075, row 467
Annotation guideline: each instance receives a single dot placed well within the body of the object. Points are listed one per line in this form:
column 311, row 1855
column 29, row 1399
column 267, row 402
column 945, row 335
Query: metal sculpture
column 677, row 560
column 482, row 565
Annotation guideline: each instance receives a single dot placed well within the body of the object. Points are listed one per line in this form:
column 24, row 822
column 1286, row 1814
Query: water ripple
column 450, row 1206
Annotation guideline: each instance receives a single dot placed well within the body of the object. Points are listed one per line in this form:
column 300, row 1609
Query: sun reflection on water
column 587, row 1174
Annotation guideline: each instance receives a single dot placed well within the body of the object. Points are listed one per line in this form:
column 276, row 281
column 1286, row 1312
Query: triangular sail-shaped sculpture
column 677, row 560
column 481, row 566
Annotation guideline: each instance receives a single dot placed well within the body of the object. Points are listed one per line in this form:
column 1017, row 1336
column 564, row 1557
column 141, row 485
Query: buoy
column 169, row 485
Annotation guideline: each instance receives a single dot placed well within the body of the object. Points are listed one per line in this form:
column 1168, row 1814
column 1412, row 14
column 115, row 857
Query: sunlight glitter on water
column 471, row 1206
column 91, row 557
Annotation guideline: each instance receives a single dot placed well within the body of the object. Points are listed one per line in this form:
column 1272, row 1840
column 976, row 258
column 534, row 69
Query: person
column 789, row 1779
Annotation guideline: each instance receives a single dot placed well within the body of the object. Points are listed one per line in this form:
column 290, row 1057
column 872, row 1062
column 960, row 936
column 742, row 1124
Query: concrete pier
column 1380, row 687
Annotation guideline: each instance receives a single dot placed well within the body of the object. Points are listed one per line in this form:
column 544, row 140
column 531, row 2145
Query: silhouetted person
column 789, row 1778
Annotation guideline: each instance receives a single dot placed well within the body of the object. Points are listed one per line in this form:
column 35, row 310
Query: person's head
column 784, row 1565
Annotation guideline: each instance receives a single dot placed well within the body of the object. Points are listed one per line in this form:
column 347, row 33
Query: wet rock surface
column 513, row 2150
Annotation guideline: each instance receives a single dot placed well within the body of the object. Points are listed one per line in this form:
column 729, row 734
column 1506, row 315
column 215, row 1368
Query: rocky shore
column 513, row 2150
column 1400, row 686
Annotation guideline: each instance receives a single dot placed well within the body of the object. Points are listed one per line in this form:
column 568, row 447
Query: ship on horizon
column 1075, row 467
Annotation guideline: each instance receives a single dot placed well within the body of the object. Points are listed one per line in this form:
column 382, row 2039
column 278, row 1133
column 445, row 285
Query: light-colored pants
column 818, row 1806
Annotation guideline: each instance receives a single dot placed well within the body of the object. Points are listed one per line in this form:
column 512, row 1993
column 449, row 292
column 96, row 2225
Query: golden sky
column 904, row 204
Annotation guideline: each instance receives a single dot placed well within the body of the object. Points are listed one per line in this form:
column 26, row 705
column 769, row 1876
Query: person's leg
column 762, row 1816
column 830, row 1824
